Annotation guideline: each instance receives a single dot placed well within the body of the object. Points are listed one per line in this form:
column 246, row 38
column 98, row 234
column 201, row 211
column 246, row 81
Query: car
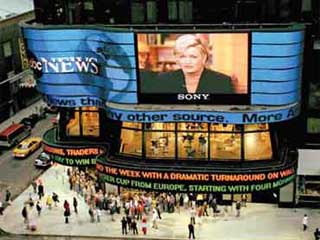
column 51, row 109
column 26, row 147
column 43, row 160
column 31, row 120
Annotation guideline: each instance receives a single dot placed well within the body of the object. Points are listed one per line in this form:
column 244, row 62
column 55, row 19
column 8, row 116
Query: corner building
column 139, row 133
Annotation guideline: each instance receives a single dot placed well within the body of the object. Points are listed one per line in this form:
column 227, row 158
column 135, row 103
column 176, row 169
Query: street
column 16, row 174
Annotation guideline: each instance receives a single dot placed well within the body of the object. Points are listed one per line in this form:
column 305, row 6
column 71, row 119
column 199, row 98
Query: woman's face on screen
column 192, row 60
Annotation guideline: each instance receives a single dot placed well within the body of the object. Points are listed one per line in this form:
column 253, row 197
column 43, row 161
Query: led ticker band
column 197, row 182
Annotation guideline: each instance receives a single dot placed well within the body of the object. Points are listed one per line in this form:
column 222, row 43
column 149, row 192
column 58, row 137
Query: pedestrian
column 40, row 190
column 8, row 197
column 124, row 224
column 75, row 205
column 305, row 222
column 316, row 234
column 34, row 186
column 38, row 207
column 144, row 225
column 154, row 219
column 129, row 221
column 1, row 208
column 98, row 213
column 134, row 227
column 238, row 207
column 205, row 209
column 24, row 214
column 49, row 201
column 214, row 206
column 55, row 198
column 67, row 212
column 158, row 211
column 193, row 214
column 91, row 214
column 244, row 199
column 191, row 230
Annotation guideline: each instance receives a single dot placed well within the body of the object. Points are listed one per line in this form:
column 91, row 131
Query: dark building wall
column 10, row 65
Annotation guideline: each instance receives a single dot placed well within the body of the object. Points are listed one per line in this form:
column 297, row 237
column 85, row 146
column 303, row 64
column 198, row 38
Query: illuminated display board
column 231, row 182
column 94, row 66
column 193, row 67
column 80, row 156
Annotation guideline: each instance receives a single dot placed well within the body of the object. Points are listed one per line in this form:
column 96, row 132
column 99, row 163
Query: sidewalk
column 22, row 114
column 257, row 221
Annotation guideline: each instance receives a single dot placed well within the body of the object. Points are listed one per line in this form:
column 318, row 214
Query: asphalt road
column 17, row 174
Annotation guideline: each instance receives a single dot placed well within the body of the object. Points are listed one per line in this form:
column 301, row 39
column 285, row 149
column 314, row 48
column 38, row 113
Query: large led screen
column 193, row 67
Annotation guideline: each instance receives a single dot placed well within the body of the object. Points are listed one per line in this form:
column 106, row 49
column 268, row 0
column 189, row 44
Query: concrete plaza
column 257, row 221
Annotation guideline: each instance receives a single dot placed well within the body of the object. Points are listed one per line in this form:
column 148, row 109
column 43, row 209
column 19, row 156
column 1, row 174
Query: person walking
column 40, row 190
column 55, row 198
column 129, row 221
column 98, row 213
column 191, row 230
column 67, row 212
column 8, row 197
column 305, row 222
column 24, row 214
column 34, row 186
column 91, row 214
column 193, row 214
column 38, row 207
column 75, row 205
column 144, row 225
column 316, row 234
column 154, row 219
column 124, row 224
column 134, row 227
column 238, row 207
column 48, row 202
column 1, row 208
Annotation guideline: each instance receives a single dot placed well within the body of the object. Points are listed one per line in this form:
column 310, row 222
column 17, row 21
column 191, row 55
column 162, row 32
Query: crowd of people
column 136, row 211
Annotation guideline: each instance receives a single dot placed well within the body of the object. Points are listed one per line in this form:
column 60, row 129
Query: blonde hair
column 186, row 41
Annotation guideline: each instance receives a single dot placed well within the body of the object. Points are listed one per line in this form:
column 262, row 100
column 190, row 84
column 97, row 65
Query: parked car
column 43, row 160
column 31, row 120
column 26, row 147
column 51, row 109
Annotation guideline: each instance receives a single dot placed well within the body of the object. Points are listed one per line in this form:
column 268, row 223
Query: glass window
column 133, row 125
column 90, row 124
column 73, row 126
column 256, row 127
column 131, row 142
column 193, row 126
column 160, row 144
column 84, row 121
column 225, row 146
column 313, row 125
column 160, row 126
column 257, row 146
column 137, row 11
column 225, row 128
column 192, row 145
column 7, row 50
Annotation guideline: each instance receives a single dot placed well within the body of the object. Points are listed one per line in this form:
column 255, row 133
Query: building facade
column 126, row 108
column 17, row 85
